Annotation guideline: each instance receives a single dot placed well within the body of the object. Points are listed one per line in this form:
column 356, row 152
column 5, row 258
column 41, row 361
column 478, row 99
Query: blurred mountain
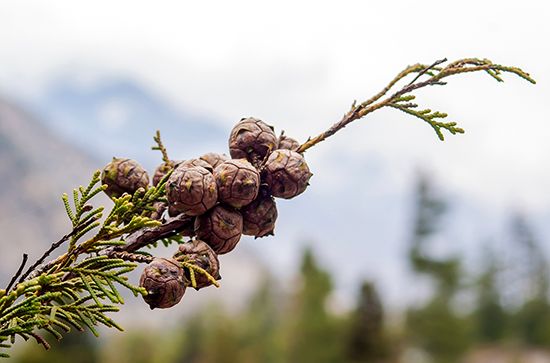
column 115, row 116
column 36, row 167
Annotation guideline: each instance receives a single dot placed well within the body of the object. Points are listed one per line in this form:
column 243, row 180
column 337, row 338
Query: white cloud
column 114, row 114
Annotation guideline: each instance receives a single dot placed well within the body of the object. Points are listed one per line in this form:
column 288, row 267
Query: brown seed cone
column 252, row 139
column 288, row 143
column 238, row 182
column 259, row 217
column 160, row 208
column 123, row 176
column 172, row 211
column 198, row 162
column 191, row 190
column 161, row 171
column 286, row 173
column 202, row 255
column 214, row 159
column 164, row 281
column 164, row 169
column 221, row 228
column 189, row 230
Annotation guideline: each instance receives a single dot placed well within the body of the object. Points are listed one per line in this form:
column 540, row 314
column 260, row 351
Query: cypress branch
column 79, row 288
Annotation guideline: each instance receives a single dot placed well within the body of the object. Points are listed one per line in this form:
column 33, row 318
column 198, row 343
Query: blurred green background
column 500, row 313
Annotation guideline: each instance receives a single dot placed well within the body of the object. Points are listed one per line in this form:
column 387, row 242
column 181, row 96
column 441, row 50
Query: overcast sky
column 300, row 64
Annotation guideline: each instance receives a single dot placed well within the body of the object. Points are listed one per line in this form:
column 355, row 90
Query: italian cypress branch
column 77, row 289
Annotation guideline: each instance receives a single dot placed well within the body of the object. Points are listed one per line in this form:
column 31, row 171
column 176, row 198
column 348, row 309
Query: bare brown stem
column 19, row 270
column 427, row 69
column 146, row 236
column 133, row 257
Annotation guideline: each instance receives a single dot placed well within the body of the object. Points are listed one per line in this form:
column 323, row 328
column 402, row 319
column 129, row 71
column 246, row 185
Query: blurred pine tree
column 532, row 320
column 77, row 347
column 315, row 334
column 366, row 341
column 435, row 327
column 491, row 319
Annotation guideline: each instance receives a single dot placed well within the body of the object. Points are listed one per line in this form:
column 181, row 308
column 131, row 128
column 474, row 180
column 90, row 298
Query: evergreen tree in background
column 78, row 347
column 314, row 334
column 490, row 316
column 191, row 349
column 366, row 328
column 532, row 321
column 429, row 210
column 435, row 326
column 261, row 323
column 139, row 348
column 223, row 341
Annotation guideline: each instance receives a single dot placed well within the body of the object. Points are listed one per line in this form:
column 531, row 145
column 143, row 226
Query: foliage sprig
column 78, row 289
column 425, row 75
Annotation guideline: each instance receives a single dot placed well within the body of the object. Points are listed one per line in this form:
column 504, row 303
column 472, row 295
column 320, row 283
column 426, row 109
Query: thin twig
column 133, row 257
column 34, row 271
column 373, row 104
column 19, row 270
column 411, row 87
column 410, row 69
column 426, row 69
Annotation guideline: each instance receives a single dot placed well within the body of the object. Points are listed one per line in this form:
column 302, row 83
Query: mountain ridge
column 36, row 167
column 118, row 116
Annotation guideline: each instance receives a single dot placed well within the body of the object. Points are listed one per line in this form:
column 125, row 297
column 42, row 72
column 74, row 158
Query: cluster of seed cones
column 226, row 197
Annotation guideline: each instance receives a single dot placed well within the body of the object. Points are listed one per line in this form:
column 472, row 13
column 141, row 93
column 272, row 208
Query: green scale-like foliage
column 78, row 289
